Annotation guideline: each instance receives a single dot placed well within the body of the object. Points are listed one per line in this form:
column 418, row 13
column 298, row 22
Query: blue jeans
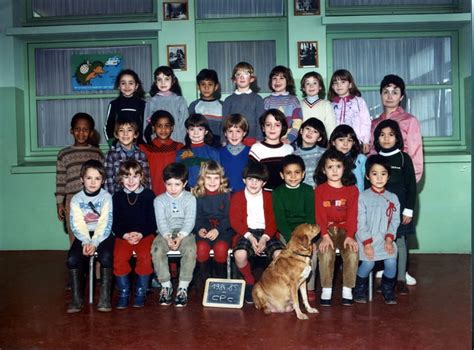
column 389, row 268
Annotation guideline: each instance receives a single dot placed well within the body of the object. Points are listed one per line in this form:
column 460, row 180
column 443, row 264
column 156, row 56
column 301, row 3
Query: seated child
column 91, row 222
column 134, row 227
column 254, row 223
column 377, row 221
column 175, row 213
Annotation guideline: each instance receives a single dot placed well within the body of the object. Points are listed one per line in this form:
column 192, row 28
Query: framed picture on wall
column 177, row 57
column 176, row 10
column 307, row 7
column 308, row 54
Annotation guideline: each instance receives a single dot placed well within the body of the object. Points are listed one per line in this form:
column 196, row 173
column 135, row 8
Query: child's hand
column 326, row 242
column 171, row 242
column 388, row 246
column 261, row 245
column 352, row 244
column 406, row 219
column 88, row 249
column 135, row 238
column 61, row 211
column 285, row 141
column 365, row 148
column 369, row 251
column 212, row 234
column 254, row 242
column 202, row 233
column 177, row 241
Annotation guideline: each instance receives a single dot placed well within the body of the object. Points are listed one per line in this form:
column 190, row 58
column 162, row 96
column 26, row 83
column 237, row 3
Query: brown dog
column 277, row 290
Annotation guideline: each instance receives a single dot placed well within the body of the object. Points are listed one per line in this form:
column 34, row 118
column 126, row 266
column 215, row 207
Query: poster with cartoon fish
column 95, row 72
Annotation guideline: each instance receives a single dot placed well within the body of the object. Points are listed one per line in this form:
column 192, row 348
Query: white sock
column 326, row 294
column 166, row 284
column 347, row 293
column 183, row 284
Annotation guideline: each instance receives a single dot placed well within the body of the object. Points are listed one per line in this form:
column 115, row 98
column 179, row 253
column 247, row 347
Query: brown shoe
column 402, row 288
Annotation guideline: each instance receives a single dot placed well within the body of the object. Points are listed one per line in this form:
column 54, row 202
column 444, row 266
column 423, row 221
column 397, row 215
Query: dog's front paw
column 312, row 310
column 302, row 316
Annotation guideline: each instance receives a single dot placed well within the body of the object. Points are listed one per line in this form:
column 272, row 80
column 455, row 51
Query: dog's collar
column 304, row 255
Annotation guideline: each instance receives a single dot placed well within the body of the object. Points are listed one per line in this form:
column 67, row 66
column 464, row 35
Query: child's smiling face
column 164, row 82
column 132, row 180
column 126, row 134
column 311, row 86
column 279, row 83
column 272, row 129
column 196, row 134
column 310, row 136
column 163, row 128
column 127, row 85
column 81, row 132
column 234, row 135
column 292, row 174
column 212, row 182
column 243, row 79
column 343, row 144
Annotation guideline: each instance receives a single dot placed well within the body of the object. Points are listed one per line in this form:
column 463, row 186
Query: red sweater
column 336, row 207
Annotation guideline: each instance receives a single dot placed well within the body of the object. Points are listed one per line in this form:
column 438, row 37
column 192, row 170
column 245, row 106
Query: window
column 206, row 9
column 386, row 7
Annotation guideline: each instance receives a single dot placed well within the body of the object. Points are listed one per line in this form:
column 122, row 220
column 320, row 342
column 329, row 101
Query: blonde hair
column 211, row 167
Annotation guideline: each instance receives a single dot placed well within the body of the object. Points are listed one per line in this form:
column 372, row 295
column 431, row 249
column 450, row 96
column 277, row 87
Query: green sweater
column 293, row 206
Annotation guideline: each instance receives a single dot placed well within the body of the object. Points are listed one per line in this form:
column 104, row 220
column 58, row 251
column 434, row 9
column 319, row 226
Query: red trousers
column 123, row 252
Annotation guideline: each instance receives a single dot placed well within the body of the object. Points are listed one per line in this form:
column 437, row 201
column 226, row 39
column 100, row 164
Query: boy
column 126, row 131
column 251, row 217
column 245, row 100
column 208, row 105
column 234, row 155
column 175, row 213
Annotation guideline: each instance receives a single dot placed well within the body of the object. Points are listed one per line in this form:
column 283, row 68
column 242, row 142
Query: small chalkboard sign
column 226, row 293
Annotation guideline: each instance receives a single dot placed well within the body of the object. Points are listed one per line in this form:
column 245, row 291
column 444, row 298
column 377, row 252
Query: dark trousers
column 105, row 254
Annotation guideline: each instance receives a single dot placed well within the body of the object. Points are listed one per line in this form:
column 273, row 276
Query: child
column 392, row 92
column 293, row 201
column 377, row 221
column 69, row 162
column 349, row 107
column 245, row 100
column 161, row 151
column 175, row 213
column 198, row 147
column 131, row 99
column 336, row 213
column 234, row 155
column 134, row 227
column 344, row 139
column 310, row 145
column 313, row 104
column 254, row 223
column 91, row 222
column 212, row 227
column 126, row 131
column 388, row 142
column 283, row 98
column 271, row 151
column 208, row 105
column 166, row 94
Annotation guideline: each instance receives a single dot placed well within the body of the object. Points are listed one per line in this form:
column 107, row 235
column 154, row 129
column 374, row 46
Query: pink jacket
column 353, row 111
column 411, row 133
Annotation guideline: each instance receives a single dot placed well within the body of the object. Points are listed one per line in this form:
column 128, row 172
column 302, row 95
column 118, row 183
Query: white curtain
column 239, row 8
column 340, row 3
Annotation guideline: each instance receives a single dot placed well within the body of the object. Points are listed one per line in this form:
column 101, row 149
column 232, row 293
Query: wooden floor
column 436, row 315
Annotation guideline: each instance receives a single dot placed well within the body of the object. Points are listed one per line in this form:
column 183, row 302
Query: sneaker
column 411, row 281
column 325, row 302
column 311, row 295
column 248, row 294
column 181, row 299
column 166, row 296
column 379, row 274
column 347, row 302
column 155, row 283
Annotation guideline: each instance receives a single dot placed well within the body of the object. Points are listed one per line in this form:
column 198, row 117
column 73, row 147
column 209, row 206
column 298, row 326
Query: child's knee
column 240, row 256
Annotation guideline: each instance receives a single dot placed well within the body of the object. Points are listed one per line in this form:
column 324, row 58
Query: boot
column 104, row 304
column 140, row 290
column 123, row 286
column 77, row 281
column 388, row 290
column 220, row 270
column 360, row 290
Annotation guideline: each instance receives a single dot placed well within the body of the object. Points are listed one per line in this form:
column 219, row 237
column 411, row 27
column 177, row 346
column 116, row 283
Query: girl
column 313, row 104
column 166, row 94
column 344, row 139
column 134, row 227
column 69, row 162
column 272, row 150
column 212, row 219
column 282, row 85
column 377, row 222
column 388, row 142
column 129, row 104
column 161, row 150
column 198, row 147
column 310, row 145
column 91, row 223
column 349, row 107
column 336, row 213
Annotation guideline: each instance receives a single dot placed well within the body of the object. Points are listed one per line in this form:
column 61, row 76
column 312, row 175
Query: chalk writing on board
column 224, row 293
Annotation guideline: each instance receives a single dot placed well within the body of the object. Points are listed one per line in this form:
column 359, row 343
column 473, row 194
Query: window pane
column 242, row 8
column 340, row 3
column 223, row 56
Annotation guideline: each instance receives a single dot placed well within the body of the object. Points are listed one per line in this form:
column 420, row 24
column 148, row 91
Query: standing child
column 283, row 98
column 126, row 131
column 208, row 104
column 197, row 147
column 310, row 145
column 130, row 100
column 245, row 100
column 212, row 227
column 68, row 165
column 251, row 217
column 313, row 104
column 344, row 139
column 234, row 155
column 161, row 150
column 350, row 108
column 134, row 227
column 388, row 142
column 166, row 94
column 91, row 222
column 377, row 221
column 271, row 151
column 175, row 213
column 336, row 200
